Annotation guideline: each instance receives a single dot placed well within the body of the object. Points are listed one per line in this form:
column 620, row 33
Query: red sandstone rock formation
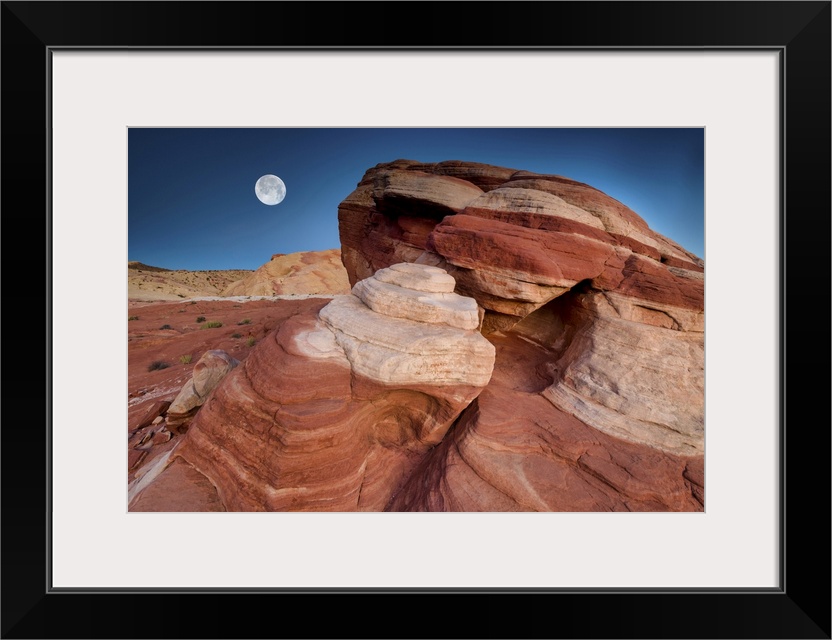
column 616, row 308
column 595, row 403
column 516, row 246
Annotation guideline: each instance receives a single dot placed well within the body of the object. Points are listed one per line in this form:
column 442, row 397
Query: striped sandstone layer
column 332, row 411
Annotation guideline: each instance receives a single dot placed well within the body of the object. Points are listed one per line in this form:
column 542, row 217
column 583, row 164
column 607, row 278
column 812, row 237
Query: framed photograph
column 753, row 77
column 460, row 267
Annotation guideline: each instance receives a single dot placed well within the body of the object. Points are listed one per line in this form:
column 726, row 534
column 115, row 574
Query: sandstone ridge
column 306, row 272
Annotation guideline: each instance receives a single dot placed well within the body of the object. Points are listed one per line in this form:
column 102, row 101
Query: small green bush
column 165, row 326
column 246, row 321
column 236, row 335
column 186, row 359
column 200, row 319
column 158, row 364
column 211, row 325
column 250, row 342
column 132, row 318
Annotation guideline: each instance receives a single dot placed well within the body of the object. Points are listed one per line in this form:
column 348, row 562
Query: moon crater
column 270, row 189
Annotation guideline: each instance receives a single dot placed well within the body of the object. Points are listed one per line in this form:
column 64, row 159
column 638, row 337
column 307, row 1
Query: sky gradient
column 191, row 200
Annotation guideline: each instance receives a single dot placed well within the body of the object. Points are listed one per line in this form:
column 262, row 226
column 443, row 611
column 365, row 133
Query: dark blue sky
column 191, row 201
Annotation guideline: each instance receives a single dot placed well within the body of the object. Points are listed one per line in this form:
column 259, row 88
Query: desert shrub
column 165, row 326
column 200, row 319
column 211, row 325
column 193, row 301
column 157, row 364
column 132, row 318
column 250, row 342
column 246, row 321
column 236, row 335
column 181, row 295
column 186, row 359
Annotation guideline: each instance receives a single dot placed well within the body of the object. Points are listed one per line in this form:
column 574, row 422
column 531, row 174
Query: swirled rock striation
column 332, row 411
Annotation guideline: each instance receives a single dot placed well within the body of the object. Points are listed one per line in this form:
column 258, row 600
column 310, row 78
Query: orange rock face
column 308, row 272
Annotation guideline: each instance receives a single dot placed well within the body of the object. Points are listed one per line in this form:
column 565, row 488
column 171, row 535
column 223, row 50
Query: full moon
column 270, row 189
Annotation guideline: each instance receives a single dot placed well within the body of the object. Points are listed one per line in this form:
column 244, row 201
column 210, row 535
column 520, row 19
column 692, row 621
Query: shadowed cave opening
column 553, row 325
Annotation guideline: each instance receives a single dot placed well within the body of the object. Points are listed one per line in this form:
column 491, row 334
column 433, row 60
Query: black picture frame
column 799, row 608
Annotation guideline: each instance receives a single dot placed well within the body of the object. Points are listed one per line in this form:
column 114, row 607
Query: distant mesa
column 144, row 267
column 308, row 272
column 511, row 342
